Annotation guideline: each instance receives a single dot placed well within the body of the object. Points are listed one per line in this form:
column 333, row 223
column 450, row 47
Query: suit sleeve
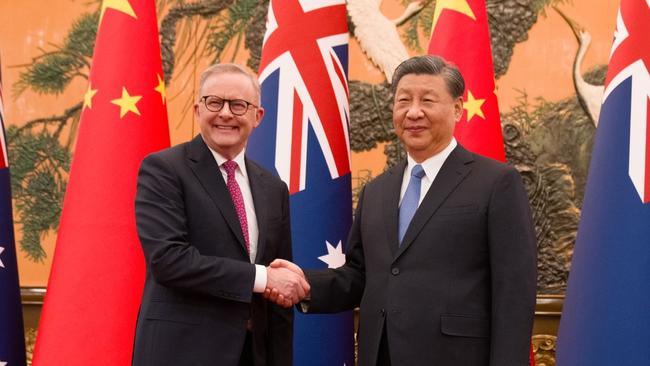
column 162, row 228
column 280, row 338
column 512, row 247
column 341, row 289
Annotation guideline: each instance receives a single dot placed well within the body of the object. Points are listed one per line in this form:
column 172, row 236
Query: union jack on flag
column 630, row 60
column 304, row 139
column 304, row 42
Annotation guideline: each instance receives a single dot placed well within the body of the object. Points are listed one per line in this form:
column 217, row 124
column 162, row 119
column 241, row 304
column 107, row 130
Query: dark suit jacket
column 460, row 290
column 198, row 296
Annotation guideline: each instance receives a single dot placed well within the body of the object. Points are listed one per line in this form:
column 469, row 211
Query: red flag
column 97, row 275
column 460, row 34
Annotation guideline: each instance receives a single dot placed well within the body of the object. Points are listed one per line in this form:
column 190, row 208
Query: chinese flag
column 98, row 270
column 460, row 34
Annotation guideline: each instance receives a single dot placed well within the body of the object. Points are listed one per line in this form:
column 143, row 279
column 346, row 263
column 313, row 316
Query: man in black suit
column 209, row 221
column 442, row 253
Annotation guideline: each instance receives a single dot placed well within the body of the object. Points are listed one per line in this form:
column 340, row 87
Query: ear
column 458, row 108
column 259, row 113
column 197, row 112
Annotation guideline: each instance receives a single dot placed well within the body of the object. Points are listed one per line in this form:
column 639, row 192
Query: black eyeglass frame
column 229, row 101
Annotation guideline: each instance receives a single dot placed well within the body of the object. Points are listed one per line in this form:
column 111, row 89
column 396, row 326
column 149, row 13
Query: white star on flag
column 334, row 257
column 3, row 266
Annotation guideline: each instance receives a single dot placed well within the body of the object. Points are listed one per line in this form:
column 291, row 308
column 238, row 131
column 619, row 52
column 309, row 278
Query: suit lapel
column 453, row 171
column 258, row 190
column 391, row 191
column 205, row 167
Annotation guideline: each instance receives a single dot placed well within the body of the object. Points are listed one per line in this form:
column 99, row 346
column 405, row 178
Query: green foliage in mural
column 52, row 71
column 38, row 179
column 421, row 22
column 231, row 26
column 40, row 155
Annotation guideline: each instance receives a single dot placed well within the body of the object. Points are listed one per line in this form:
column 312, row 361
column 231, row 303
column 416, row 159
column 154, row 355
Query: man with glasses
column 210, row 221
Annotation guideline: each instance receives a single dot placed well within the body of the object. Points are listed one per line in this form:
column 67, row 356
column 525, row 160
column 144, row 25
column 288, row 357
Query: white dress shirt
column 431, row 168
column 241, row 176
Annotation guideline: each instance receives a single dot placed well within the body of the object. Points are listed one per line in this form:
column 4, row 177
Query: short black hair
column 431, row 65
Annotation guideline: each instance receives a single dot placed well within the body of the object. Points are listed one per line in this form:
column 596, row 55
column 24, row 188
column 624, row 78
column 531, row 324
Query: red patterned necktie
column 237, row 199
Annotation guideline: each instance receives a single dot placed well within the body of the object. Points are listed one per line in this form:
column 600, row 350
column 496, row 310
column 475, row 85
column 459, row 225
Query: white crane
column 377, row 35
column 589, row 95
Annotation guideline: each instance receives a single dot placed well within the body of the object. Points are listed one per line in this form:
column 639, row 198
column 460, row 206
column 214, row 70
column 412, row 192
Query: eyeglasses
column 238, row 107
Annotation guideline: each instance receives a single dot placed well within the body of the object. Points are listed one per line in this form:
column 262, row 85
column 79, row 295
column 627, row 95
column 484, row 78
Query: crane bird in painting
column 589, row 95
column 378, row 35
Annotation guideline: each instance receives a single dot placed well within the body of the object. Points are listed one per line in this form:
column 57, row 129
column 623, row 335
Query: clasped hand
column 286, row 284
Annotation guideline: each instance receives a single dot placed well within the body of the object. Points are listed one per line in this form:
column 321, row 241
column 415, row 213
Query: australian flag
column 606, row 314
column 304, row 139
column 12, row 339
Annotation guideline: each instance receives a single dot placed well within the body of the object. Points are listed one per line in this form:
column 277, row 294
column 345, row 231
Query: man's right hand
column 286, row 283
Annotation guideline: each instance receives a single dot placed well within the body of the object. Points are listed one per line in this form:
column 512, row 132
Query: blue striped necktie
column 410, row 200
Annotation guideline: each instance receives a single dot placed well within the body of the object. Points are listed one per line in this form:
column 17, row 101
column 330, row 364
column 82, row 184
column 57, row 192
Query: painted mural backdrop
column 549, row 64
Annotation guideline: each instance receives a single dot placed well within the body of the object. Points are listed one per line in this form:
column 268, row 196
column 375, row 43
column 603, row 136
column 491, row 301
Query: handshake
column 286, row 284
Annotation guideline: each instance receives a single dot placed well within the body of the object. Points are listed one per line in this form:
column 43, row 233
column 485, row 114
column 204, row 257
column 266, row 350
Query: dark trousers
column 246, row 358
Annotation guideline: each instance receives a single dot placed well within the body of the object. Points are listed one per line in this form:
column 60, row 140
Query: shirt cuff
column 260, row 279
column 304, row 305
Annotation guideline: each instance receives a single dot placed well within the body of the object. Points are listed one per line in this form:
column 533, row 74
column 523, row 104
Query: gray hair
column 431, row 65
column 228, row 68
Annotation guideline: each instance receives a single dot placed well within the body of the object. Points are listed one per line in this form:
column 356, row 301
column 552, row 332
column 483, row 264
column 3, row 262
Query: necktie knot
column 417, row 172
column 230, row 167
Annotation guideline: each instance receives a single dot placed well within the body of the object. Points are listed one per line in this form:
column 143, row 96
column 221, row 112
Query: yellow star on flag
column 127, row 103
column 88, row 97
column 161, row 89
column 460, row 6
column 473, row 106
column 119, row 5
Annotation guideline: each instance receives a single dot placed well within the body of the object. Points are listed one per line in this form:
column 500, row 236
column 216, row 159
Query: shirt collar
column 433, row 164
column 239, row 159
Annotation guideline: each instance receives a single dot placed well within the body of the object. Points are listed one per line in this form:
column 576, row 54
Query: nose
column 414, row 111
column 225, row 110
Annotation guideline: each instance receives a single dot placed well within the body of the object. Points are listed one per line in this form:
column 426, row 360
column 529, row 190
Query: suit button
column 383, row 312
column 395, row 271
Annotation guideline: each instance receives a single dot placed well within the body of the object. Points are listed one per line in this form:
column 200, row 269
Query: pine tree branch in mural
column 255, row 34
column 169, row 35
column 51, row 72
column 232, row 26
column 40, row 165
column 40, row 151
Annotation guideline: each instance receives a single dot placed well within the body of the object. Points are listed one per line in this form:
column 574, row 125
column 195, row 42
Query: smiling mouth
column 227, row 128
column 415, row 129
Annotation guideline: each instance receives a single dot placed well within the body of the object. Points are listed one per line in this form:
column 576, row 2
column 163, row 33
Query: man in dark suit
column 441, row 255
column 209, row 221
